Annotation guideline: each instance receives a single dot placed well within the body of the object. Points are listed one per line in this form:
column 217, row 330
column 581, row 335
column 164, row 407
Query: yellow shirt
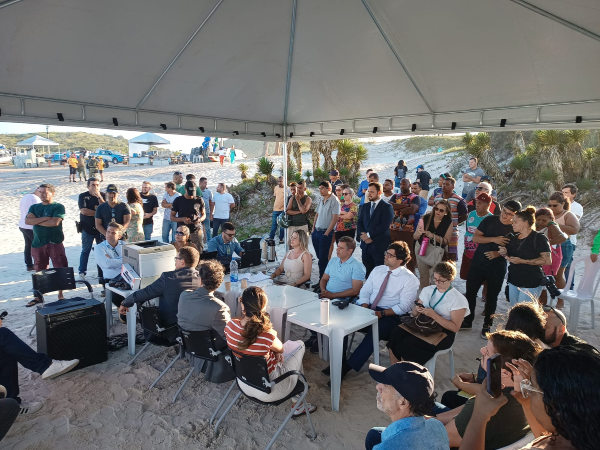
column 279, row 195
column 72, row 162
column 100, row 164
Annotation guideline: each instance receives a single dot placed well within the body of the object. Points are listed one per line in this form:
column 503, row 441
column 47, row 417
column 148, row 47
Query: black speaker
column 115, row 122
column 503, row 123
column 414, row 127
column 73, row 329
column 578, row 119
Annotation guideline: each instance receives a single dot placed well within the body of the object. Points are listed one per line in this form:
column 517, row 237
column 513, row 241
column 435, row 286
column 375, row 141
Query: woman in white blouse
column 442, row 303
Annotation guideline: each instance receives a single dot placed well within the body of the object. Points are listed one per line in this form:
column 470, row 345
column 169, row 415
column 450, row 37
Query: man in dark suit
column 374, row 227
column 169, row 287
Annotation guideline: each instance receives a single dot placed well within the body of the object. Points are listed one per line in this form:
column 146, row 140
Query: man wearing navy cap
column 405, row 393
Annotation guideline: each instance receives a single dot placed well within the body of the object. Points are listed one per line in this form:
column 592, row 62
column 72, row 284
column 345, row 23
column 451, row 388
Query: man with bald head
column 556, row 329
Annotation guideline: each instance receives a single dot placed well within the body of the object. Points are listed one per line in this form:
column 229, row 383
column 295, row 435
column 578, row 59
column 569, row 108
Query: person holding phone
column 509, row 424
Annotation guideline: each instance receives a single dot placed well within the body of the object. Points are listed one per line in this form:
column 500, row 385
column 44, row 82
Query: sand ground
column 109, row 406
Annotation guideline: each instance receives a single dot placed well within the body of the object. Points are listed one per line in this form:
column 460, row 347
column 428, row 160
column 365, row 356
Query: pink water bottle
column 424, row 245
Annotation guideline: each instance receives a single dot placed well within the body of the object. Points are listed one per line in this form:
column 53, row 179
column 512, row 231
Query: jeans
column 12, row 351
column 365, row 349
column 274, row 218
column 321, row 243
column 87, row 241
column 522, row 294
column 568, row 250
column 207, row 230
column 148, row 228
column 475, row 278
column 9, row 410
column 373, row 437
column 171, row 227
column 28, row 236
column 216, row 224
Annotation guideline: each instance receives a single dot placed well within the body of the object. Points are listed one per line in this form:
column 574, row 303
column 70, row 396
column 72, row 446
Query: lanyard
column 442, row 298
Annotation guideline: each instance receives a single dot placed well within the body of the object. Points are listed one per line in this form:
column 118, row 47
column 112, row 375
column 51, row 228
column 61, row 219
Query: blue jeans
column 274, row 218
column 207, row 230
column 568, row 249
column 522, row 294
column 148, row 228
column 12, row 351
column 217, row 224
column 169, row 227
column 321, row 243
column 373, row 437
column 87, row 241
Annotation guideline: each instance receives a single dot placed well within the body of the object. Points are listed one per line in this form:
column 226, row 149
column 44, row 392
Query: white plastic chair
column 585, row 292
column 430, row 365
column 520, row 443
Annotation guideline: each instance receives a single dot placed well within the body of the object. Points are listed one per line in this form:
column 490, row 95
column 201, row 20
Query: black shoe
column 326, row 371
column 466, row 326
column 30, row 269
column 310, row 341
column 317, row 290
column 315, row 347
column 484, row 333
column 316, row 285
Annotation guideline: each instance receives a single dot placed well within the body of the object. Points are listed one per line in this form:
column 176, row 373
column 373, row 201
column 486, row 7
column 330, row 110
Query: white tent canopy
column 271, row 69
column 149, row 139
column 36, row 140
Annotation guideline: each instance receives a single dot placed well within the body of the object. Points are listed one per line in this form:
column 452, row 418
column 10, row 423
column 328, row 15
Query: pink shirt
column 26, row 202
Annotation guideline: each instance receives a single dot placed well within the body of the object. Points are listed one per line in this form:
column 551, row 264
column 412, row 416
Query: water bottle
column 424, row 245
column 233, row 274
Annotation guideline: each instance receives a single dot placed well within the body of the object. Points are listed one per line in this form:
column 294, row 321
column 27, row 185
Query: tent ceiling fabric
column 356, row 64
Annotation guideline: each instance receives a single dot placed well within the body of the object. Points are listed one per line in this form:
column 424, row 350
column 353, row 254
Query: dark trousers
column 87, row 240
column 372, row 257
column 373, row 437
column 339, row 234
column 478, row 274
column 12, row 351
column 365, row 349
column 9, row 410
column 274, row 218
column 321, row 243
column 28, row 236
column 216, row 224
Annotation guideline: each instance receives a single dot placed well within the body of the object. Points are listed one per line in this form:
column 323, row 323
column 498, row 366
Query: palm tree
column 468, row 140
column 326, row 148
column 316, row 156
column 345, row 148
column 549, row 145
column 297, row 153
column 243, row 168
column 573, row 156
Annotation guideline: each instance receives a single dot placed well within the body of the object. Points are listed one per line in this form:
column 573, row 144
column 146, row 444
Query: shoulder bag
column 434, row 254
column 423, row 324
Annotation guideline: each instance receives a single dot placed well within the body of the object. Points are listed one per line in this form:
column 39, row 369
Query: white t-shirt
column 222, row 202
column 384, row 198
column 169, row 199
column 452, row 301
column 222, row 152
column 576, row 209
column 26, row 202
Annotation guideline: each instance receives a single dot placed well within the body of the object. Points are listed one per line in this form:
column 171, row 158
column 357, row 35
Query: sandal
column 301, row 412
column 35, row 301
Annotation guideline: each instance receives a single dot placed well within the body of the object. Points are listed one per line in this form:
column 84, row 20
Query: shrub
column 320, row 175
column 265, row 166
column 521, row 162
column 586, row 184
column 547, row 175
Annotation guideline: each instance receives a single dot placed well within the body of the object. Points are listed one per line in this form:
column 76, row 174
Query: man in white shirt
column 27, row 230
column 109, row 257
column 223, row 202
column 390, row 291
column 388, row 190
column 570, row 191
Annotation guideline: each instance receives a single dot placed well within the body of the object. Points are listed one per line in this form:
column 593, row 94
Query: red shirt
column 262, row 346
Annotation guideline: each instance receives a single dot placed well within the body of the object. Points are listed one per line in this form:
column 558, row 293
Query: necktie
column 381, row 290
column 372, row 208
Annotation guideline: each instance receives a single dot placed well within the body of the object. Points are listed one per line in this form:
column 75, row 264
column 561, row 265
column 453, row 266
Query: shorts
column 72, row 170
column 43, row 255
column 101, row 171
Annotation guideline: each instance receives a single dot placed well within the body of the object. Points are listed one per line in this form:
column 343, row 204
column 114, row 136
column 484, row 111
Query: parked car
column 54, row 157
column 109, row 155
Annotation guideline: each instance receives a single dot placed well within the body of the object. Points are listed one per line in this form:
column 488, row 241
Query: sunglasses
column 440, row 210
column 548, row 308
column 527, row 388
column 550, row 205
column 179, row 233
column 479, row 188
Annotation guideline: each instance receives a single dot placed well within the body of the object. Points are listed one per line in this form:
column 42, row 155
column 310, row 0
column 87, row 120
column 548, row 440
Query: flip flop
column 35, row 301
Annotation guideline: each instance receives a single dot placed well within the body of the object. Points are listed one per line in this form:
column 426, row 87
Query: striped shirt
column 262, row 346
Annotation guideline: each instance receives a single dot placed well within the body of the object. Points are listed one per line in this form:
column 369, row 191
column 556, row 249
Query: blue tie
column 372, row 207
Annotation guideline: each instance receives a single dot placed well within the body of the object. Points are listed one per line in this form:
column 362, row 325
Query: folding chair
column 254, row 372
column 197, row 344
column 51, row 280
column 157, row 334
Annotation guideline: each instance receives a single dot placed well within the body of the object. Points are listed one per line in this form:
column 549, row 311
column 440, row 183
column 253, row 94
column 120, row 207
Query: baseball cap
column 513, row 205
column 335, row 173
column 420, row 166
column 411, row 380
column 486, row 178
column 190, row 187
column 483, row 197
column 112, row 188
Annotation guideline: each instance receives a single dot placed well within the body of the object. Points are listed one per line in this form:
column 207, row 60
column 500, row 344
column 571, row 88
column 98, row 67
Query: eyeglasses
column 479, row 188
column 230, row 234
column 388, row 254
column 440, row 280
column 346, row 193
column 440, row 210
column 179, row 233
column 548, row 308
column 550, row 205
column 507, row 212
column 527, row 388
column 177, row 257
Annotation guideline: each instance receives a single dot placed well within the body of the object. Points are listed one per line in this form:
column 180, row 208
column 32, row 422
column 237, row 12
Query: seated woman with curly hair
column 253, row 334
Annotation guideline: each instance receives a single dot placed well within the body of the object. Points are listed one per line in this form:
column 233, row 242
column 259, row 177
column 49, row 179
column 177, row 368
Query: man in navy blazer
column 374, row 227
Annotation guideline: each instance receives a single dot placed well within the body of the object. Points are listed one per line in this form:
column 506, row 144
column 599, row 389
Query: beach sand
column 109, row 405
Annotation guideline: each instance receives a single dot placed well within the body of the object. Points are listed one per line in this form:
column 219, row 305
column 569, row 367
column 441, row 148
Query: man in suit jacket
column 169, row 287
column 200, row 310
column 374, row 227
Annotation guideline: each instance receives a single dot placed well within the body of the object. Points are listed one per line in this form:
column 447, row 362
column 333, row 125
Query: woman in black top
column 438, row 228
column 526, row 253
column 400, row 172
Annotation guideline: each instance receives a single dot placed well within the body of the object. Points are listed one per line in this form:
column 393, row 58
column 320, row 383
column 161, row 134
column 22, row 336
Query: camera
column 549, row 283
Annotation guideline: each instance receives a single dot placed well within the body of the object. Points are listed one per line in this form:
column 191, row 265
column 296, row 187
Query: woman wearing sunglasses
column 569, row 224
column 435, row 225
column 182, row 239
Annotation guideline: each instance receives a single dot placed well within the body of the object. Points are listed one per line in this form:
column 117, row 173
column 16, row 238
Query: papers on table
column 258, row 277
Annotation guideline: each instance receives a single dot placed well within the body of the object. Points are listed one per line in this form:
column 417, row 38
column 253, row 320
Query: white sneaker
column 82, row 275
column 30, row 408
column 58, row 368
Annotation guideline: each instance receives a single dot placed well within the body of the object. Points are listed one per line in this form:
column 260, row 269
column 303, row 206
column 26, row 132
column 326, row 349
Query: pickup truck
column 108, row 155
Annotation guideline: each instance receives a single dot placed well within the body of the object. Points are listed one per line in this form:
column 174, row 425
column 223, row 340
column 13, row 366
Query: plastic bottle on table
column 233, row 274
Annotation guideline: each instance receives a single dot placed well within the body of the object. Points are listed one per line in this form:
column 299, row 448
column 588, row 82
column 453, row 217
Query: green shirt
column 181, row 189
column 47, row 235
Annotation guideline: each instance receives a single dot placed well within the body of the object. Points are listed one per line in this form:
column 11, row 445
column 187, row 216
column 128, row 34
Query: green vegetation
column 243, row 168
column 76, row 140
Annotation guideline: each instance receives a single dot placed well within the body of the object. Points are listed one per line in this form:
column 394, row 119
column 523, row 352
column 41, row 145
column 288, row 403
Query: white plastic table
column 131, row 316
column 341, row 323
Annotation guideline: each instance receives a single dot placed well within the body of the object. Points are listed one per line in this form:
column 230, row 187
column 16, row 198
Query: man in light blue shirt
column 364, row 185
column 405, row 393
column 225, row 244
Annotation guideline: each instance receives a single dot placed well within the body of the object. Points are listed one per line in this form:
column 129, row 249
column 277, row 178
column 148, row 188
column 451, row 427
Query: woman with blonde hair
column 253, row 335
column 135, row 230
column 297, row 263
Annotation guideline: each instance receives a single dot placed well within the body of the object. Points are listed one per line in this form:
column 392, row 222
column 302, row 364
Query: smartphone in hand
column 494, row 375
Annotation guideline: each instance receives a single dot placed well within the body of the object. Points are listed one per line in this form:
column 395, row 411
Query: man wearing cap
column 405, row 393
column 334, row 178
column 190, row 211
column 424, row 178
column 112, row 209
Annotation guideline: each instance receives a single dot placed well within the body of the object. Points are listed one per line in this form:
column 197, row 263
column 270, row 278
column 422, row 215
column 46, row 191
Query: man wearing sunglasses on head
column 556, row 329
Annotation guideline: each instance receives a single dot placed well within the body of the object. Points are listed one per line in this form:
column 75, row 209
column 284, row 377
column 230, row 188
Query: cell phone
column 494, row 375
column 3, row 315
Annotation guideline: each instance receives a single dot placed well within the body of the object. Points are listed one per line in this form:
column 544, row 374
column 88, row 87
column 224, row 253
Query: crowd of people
column 405, row 276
